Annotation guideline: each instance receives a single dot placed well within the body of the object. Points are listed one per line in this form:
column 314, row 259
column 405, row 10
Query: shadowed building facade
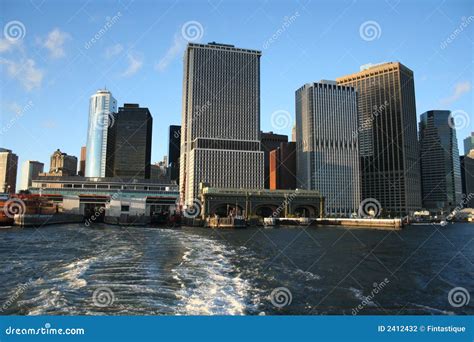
column 174, row 140
column 388, row 142
column 8, row 170
column 220, row 131
column 270, row 141
column 283, row 167
column 440, row 166
column 327, row 157
column 129, row 152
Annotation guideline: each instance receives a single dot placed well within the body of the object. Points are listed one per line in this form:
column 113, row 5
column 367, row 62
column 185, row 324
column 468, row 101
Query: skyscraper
column 387, row 134
column 82, row 162
column 29, row 170
column 469, row 144
column 327, row 147
column 8, row 170
column 440, row 166
column 270, row 141
column 469, row 178
column 101, row 109
column 129, row 146
column 174, row 139
column 220, row 132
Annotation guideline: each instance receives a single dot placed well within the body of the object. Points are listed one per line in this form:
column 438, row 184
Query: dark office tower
column 82, row 162
column 270, row 141
column 463, row 175
column 174, row 142
column 129, row 151
column 469, row 179
column 8, row 170
column 283, row 166
column 220, row 131
column 387, row 134
column 439, row 155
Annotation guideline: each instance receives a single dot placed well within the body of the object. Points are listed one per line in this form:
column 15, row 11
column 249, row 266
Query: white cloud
column 113, row 50
column 7, row 45
column 134, row 64
column 173, row 51
column 55, row 43
column 460, row 89
column 24, row 71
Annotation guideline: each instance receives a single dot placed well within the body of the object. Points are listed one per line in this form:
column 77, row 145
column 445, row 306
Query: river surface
column 78, row 270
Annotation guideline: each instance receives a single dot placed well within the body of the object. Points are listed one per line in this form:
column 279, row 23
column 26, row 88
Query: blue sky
column 50, row 66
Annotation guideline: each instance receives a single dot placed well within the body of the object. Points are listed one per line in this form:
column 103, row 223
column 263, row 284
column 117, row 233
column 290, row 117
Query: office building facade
column 220, row 131
column 327, row 150
column 129, row 146
column 8, row 171
column 270, row 141
column 102, row 107
column 174, row 141
column 283, row 167
column 82, row 162
column 440, row 166
column 30, row 170
column 469, row 144
column 387, row 134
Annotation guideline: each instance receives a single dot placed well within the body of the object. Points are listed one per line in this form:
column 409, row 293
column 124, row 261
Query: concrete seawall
column 27, row 220
column 387, row 224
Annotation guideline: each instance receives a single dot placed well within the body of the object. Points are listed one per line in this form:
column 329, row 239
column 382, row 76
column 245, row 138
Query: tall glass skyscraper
column 101, row 110
column 327, row 149
column 440, row 165
column 220, row 131
column 388, row 140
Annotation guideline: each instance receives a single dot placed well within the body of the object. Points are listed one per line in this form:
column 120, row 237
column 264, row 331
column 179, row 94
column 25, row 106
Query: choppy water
column 77, row 270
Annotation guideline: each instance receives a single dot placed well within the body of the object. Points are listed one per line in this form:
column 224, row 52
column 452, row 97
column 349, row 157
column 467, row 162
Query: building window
column 125, row 208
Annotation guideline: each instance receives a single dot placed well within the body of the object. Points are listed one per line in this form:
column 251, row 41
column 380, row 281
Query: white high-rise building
column 327, row 157
column 29, row 170
column 101, row 109
column 220, row 133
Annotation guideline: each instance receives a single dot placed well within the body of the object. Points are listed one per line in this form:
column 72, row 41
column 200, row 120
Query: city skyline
column 285, row 64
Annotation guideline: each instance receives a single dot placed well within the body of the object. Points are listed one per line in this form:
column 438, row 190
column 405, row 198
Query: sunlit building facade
column 101, row 109
column 220, row 132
